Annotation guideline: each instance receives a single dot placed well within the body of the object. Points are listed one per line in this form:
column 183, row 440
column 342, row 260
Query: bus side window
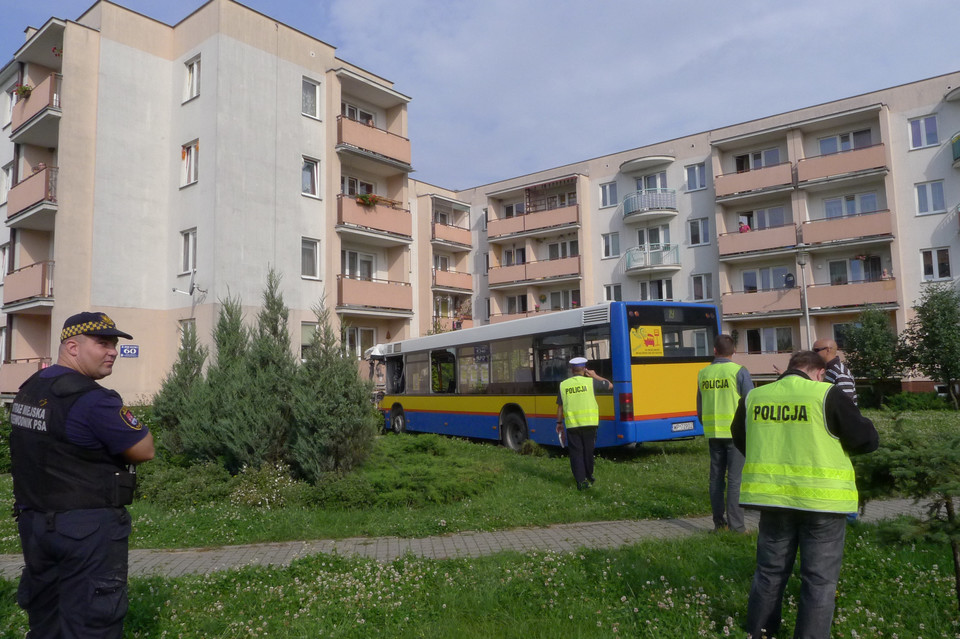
column 395, row 375
column 443, row 371
column 596, row 347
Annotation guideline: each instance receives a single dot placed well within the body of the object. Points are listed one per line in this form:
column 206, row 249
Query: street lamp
column 802, row 262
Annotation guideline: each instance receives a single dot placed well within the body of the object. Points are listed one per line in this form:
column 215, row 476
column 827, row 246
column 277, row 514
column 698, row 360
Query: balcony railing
column 15, row 372
column 552, row 218
column 651, row 258
column 857, row 293
column 30, row 282
column 450, row 233
column 531, row 271
column 374, row 293
column 386, row 215
column 763, row 364
column 43, row 96
column 370, row 138
column 648, row 204
column 844, row 163
column 755, row 180
column 452, row 323
column 32, row 190
column 452, row 279
column 767, row 239
column 848, row 227
column 782, row 300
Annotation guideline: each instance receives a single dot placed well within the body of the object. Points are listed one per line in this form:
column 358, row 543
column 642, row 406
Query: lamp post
column 802, row 262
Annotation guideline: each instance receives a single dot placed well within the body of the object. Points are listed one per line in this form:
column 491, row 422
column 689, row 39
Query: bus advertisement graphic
column 646, row 341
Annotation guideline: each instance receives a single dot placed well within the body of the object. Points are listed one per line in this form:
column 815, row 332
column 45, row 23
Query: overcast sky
column 502, row 88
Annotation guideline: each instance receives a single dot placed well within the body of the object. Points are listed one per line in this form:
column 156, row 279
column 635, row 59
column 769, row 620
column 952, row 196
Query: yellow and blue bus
column 501, row 381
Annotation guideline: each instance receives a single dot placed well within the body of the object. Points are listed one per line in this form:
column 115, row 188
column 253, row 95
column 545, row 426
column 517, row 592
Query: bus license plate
column 679, row 427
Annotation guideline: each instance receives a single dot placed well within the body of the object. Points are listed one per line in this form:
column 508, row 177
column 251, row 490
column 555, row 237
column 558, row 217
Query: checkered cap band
column 95, row 324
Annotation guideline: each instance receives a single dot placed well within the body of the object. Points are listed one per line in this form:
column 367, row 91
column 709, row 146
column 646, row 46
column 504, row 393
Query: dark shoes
column 583, row 485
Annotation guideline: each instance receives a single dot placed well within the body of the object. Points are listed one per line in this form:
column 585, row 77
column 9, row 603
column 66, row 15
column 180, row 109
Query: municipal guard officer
column 798, row 433
column 719, row 388
column 72, row 447
column 577, row 405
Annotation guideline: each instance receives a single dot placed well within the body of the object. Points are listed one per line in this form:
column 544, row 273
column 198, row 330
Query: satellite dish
column 192, row 286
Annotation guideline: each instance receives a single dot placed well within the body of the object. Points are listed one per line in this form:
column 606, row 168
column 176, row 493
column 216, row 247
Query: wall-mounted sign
column 129, row 350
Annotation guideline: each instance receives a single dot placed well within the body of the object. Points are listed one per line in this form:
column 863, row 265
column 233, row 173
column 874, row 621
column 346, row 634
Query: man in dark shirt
column 836, row 371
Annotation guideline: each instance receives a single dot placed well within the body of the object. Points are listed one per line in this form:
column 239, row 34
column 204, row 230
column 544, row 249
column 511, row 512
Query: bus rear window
column 658, row 332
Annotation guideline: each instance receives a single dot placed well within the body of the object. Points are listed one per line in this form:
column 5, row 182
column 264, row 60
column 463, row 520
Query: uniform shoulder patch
column 129, row 418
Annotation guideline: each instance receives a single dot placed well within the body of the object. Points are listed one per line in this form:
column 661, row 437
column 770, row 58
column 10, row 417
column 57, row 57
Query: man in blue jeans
column 797, row 434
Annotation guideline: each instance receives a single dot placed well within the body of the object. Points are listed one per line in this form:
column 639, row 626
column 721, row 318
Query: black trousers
column 74, row 582
column 581, row 441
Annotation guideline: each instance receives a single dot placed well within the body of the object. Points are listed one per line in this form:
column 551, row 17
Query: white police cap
column 578, row 361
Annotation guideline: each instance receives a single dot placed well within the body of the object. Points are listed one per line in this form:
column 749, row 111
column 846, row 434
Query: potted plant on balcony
column 22, row 91
column 368, row 199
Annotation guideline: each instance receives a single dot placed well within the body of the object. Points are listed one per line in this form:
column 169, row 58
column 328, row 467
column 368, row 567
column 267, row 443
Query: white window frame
column 350, row 185
column 612, row 293
column 309, row 262
column 6, row 181
column 665, row 286
column 483, row 220
column 696, row 176
column 308, row 332
column 442, row 262
column 769, row 336
column 758, row 159
column 518, row 301
column 310, row 188
column 190, row 163
column 10, row 100
column 705, row 281
column 514, row 209
column 191, row 85
column 936, row 275
column 851, row 204
column 188, row 251
column 643, row 237
column 353, row 339
column 920, row 134
column 652, row 181
column 702, row 227
column 608, row 194
column 610, row 245
column 355, row 271
column 927, row 194
column 562, row 299
column 846, row 141
column 357, row 114
column 305, row 85
column 563, row 249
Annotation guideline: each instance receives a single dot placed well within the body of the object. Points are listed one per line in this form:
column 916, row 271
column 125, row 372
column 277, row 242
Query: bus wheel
column 398, row 421
column 514, row 432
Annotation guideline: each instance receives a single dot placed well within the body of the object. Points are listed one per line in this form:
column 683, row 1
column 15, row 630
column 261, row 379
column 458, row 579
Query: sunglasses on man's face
column 822, row 348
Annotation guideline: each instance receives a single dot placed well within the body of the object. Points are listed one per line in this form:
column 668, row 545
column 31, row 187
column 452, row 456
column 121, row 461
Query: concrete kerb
column 559, row 537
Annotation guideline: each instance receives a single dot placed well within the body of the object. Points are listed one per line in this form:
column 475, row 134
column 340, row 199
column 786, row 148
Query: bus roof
column 545, row 323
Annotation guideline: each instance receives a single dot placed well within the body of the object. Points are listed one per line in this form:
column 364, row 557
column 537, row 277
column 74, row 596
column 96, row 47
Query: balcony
column 881, row 292
column 373, row 143
column 751, row 242
column 385, row 216
column 497, row 318
column 765, row 179
column 17, row 371
column 451, row 235
column 531, row 223
column 652, row 259
column 453, row 280
column 843, row 164
column 648, row 205
column 955, row 145
column 523, row 274
column 36, row 119
column 848, row 228
column 374, row 294
column 32, row 203
column 763, row 364
column 446, row 324
column 28, row 287
column 783, row 301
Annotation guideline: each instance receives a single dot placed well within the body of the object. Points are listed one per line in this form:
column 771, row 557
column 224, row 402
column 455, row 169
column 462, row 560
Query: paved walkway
column 560, row 537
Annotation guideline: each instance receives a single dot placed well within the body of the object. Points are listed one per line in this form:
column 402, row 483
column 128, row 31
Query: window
column 560, row 300
column 608, row 194
column 845, row 142
column 853, row 204
column 358, row 339
column 513, row 210
column 516, row 304
column 188, row 251
column 757, row 160
column 652, row 182
column 356, row 113
column 930, row 198
column 4, row 261
column 923, row 132
column 654, row 238
column 656, row 290
column 190, row 163
column 356, row 265
column 486, row 263
column 310, row 258
column 560, row 250
column 6, row 181
column 9, row 99
column 767, row 279
column 310, row 178
column 840, row 333
column 696, row 177
column 611, row 244
column 772, row 339
column 702, row 287
column 936, row 264
column 611, row 293
column 186, row 329
column 310, row 99
column 483, row 220
column 308, row 335
column 862, row 268
column 441, row 262
column 699, row 231
column 192, row 88
column 486, row 308
column 355, row 186
column 514, row 256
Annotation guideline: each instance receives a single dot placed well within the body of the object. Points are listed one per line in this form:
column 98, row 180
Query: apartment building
column 154, row 170
column 792, row 223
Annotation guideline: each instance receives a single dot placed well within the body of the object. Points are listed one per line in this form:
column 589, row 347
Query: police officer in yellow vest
column 797, row 434
column 719, row 389
column 577, row 405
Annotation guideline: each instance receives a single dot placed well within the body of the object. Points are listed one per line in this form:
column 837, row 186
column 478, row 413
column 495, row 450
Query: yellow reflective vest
column 718, row 398
column 579, row 403
column 793, row 461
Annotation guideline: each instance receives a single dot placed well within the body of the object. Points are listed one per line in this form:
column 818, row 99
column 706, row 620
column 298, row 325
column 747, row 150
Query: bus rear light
column 626, row 407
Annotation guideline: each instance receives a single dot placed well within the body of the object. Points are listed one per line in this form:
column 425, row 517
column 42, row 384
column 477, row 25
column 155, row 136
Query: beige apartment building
column 152, row 171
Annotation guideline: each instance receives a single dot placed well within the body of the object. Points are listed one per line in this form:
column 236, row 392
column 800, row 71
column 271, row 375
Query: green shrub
column 530, row 447
column 269, row 486
column 916, row 401
column 170, row 486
